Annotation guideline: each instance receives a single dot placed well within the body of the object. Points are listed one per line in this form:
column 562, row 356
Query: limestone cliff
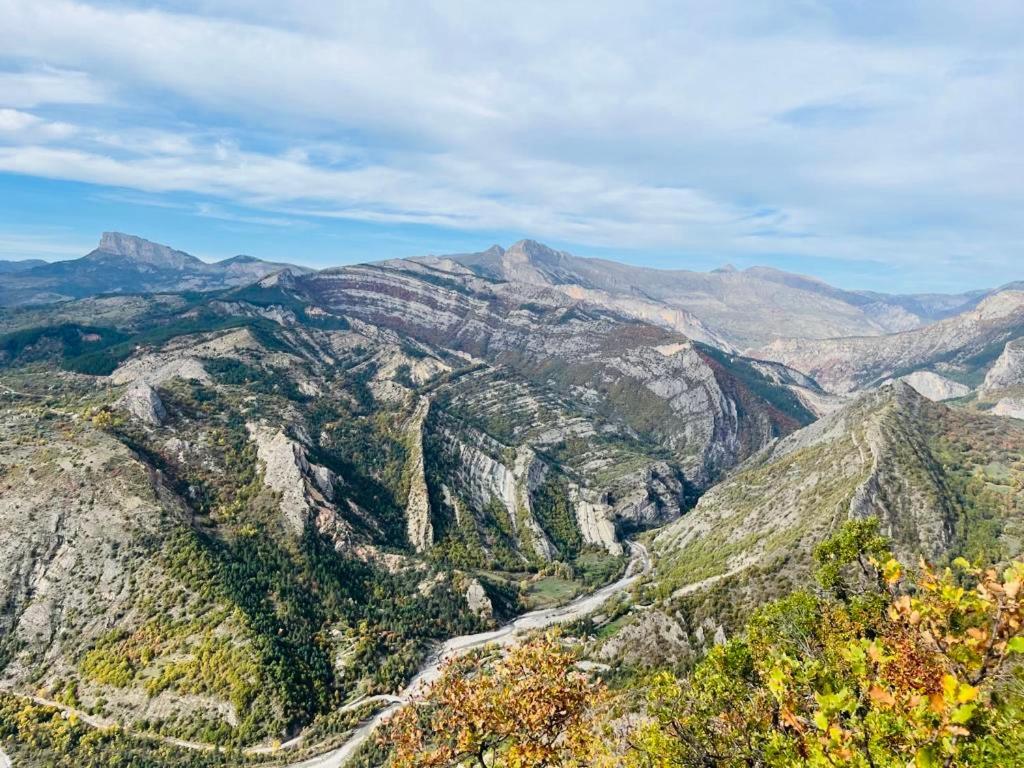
column 419, row 529
column 304, row 489
column 1008, row 369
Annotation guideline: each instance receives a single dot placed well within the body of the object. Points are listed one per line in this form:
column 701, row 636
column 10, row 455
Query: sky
column 873, row 144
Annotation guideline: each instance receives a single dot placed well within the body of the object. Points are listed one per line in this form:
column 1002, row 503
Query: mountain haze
column 961, row 347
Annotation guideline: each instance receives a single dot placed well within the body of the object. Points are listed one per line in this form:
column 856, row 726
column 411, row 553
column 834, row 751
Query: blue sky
column 874, row 144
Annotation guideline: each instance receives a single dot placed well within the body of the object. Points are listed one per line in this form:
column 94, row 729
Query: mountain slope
column 708, row 410
column 944, row 482
column 960, row 347
column 722, row 307
column 127, row 264
column 730, row 309
column 217, row 574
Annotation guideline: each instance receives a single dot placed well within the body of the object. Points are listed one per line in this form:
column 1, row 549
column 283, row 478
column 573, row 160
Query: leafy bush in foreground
column 875, row 671
column 880, row 671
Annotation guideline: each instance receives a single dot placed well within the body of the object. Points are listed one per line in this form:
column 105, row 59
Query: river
column 639, row 563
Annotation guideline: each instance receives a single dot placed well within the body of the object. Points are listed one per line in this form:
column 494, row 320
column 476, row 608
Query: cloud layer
column 882, row 132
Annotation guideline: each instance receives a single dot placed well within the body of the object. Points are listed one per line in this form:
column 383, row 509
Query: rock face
column 684, row 395
column 154, row 370
column 1012, row 407
column 595, row 522
column 305, row 489
column 419, row 529
column 1008, row 370
column 477, row 600
column 144, row 252
column 483, row 479
column 142, row 402
column 935, row 387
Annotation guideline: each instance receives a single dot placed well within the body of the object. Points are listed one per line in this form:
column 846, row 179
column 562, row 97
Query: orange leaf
column 881, row 696
column 791, row 719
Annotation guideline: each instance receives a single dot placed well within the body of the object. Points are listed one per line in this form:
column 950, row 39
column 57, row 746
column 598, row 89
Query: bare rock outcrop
column 143, row 402
column 477, row 600
column 305, row 489
column 1008, row 369
column 484, row 475
column 157, row 369
column 935, row 387
column 419, row 529
column 593, row 517
column 1012, row 407
column 843, row 365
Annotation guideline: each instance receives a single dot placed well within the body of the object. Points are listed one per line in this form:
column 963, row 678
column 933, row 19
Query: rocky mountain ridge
column 127, row 264
column 725, row 307
column 308, row 443
column 962, row 346
column 728, row 308
column 943, row 482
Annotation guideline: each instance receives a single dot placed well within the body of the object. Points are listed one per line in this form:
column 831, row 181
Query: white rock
column 142, row 402
column 305, row 489
column 1011, row 407
column 477, row 600
column 935, row 387
column 1008, row 370
column 419, row 528
column 593, row 519
column 157, row 369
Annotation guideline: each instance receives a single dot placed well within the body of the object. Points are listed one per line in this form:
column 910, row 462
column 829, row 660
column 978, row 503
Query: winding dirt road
column 508, row 634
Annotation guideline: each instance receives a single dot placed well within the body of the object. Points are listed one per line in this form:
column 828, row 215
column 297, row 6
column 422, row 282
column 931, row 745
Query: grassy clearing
column 551, row 590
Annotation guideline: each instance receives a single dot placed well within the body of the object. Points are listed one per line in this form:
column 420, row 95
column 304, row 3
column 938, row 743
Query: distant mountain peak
column 535, row 249
column 143, row 251
column 281, row 279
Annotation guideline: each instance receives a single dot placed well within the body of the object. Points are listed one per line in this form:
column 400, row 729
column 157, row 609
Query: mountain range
column 243, row 496
column 124, row 264
column 745, row 308
column 253, row 467
column 729, row 307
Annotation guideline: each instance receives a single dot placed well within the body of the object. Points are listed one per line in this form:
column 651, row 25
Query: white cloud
column 729, row 127
column 15, row 124
column 46, row 85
